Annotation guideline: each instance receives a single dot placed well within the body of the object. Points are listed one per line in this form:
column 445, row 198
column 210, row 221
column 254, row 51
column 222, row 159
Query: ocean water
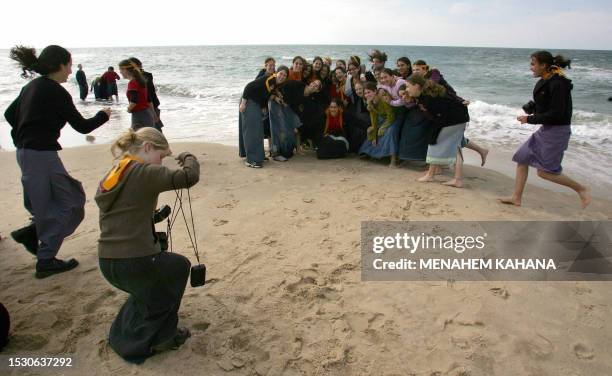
column 200, row 87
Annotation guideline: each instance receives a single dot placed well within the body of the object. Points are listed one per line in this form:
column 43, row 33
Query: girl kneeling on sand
column 448, row 118
column 383, row 133
column 130, row 255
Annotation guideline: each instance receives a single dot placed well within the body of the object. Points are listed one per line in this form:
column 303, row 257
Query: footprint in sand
column 29, row 342
column 92, row 306
column 228, row 205
column 201, row 326
column 500, row 292
column 219, row 222
column 583, row 352
column 308, row 200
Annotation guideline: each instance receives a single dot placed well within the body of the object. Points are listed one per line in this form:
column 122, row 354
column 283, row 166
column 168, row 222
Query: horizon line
column 330, row 44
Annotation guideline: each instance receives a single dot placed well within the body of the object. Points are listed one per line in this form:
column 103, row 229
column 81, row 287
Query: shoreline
column 498, row 160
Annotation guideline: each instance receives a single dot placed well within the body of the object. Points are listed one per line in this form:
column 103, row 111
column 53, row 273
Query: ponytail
column 132, row 141
column 50, row 60
column 134, row 70
column 545, row 57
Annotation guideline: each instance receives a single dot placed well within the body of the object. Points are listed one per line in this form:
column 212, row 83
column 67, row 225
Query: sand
column 284, row 293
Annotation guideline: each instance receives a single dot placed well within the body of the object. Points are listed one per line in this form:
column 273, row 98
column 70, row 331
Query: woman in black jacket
column 55, row 200
column 551, row 107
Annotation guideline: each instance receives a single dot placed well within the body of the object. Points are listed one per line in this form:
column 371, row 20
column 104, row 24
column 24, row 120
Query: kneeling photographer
column 131, row 258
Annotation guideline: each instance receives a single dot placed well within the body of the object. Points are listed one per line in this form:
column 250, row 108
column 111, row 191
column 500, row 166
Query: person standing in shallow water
column 111, row 77
column 551, row 107
column 139, row 105
column 55, row 200
column 82, row 81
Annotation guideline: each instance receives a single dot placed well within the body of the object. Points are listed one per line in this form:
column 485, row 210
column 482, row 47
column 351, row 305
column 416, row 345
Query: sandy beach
column 284, row 294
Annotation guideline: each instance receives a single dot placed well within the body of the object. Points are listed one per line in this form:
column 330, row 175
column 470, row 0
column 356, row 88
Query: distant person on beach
column 297, row 65
column 151, row 93
column 98, row 87
column 55, row 200
column 253, row 106
column 111, row 77
column 448, row 118
column 82, row 81
column 130, row 255
column 382, row 136
column 338, row 89
column 391, row 84
column 317, row 64
column 357, row 119
column 139, row 106
column 268, row 69
column 552, row 107
column 306, row 72
column 414, row 133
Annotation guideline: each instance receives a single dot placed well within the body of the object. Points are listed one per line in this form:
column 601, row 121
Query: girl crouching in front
column 130, row 255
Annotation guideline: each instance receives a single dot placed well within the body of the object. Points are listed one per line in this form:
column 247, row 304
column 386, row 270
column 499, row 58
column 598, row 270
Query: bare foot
column 437, row 170
column 509, row 201
column 483, row 157
column 457, row 183
column 585, row 197
column 426, row 179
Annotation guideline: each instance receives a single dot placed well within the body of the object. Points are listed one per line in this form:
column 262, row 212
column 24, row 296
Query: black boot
column 28, row 237
column 46, row 268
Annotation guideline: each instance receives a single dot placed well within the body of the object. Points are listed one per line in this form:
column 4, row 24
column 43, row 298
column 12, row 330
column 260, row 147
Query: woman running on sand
column 55, row 199
column 551, row 107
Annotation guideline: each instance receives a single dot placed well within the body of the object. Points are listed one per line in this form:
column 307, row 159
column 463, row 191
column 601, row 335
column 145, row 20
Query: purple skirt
column 544, row 149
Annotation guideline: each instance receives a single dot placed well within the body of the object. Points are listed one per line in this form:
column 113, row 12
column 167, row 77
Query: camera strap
column 178, row 202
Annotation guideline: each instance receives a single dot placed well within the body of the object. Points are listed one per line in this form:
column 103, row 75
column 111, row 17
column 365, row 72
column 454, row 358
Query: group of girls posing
column 130, row 255
column 407, row 114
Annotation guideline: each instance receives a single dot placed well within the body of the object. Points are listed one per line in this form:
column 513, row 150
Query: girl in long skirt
column 129, row 253
column 552, row 107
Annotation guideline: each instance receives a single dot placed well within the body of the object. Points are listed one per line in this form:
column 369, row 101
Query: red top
column 137, row 94
column 333, row 124
column 110, row 76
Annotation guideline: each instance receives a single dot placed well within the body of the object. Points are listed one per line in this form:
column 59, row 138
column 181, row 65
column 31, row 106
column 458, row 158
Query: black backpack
column 332, row 147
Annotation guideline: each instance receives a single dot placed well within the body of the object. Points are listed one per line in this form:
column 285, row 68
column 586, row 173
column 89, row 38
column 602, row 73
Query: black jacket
column 257, row 92
column 40, row 112
column 443, row 112
column 553, row 101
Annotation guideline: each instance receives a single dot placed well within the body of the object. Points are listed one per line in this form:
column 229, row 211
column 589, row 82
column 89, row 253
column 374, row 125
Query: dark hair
column 111, row 69
column 136, row 61
column 401, row 87
column 428, row 87
column 269, row 59
column 377, row 54
column 299, row 57
column 545, row 57
column 388, row 71
column 282, row 68
column 406, row 61
column 341, row 61
column 342, row 69
column 317, row 58
column 47, row 62
column 134, row 71
column 420, row 62
column 355, row 60
column 337, row 101
column 369, row 85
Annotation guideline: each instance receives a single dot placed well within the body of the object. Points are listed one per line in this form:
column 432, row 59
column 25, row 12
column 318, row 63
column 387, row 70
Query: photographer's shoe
column 46, row 268
column 28, row 237
column 173, row 343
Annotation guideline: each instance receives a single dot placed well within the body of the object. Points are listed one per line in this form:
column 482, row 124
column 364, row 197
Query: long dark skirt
column 150, row 314
column 143, row 118
column 283, row 123
column 545, row 148
column 250, row 133
column 83, row 91
column 414, row 138
column 386, row 145
column 52, row 197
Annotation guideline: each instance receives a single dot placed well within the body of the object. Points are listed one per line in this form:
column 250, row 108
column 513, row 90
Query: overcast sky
column 531, row 24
